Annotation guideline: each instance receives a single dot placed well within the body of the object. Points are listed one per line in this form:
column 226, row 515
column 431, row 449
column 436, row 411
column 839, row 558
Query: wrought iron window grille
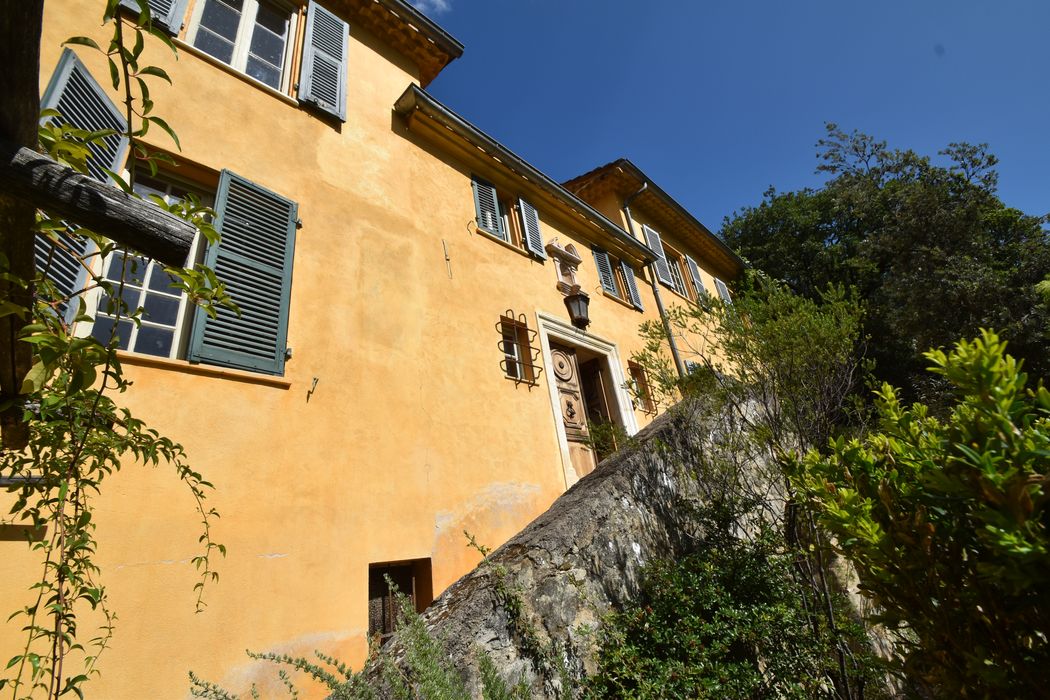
column 517, row 342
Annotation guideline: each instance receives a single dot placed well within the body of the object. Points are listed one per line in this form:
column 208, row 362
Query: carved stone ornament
column 566, row 262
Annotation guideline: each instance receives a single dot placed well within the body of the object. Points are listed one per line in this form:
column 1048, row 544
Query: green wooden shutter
column 694, row 272
column 166, row 14
column 80, row 102
column 322, row 77
column 632, row 287
column 486, row 205
column 254, row 259
column 663, row 272
column 723, row 291
column 530, row 221
column 605, row 271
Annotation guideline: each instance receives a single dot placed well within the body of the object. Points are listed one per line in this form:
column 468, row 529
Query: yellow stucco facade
column 394, row 427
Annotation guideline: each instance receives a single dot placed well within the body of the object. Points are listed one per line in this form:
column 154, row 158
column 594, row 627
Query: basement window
column 412, row 579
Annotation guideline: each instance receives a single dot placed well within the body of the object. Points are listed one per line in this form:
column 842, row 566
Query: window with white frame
column 252, row 36
column 165, row 310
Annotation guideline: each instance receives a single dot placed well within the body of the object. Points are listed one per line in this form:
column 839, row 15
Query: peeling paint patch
column 275, row 555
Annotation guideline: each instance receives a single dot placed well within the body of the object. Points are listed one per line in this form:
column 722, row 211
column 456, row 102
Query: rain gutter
column 656, row 286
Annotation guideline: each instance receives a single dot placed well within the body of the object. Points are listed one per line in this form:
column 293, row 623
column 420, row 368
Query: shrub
column 946, row 523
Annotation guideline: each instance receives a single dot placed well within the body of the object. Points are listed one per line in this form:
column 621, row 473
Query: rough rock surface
column 578, row 560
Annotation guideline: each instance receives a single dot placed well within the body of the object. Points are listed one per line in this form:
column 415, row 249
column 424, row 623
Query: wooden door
column 572, row 407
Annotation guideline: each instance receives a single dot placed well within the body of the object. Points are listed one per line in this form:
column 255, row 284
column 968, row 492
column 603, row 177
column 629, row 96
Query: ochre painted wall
column 412, row 434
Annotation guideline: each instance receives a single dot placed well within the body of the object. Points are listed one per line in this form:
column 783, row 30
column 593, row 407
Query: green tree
column 784, row 369
column 933, row 253
column 946, row 522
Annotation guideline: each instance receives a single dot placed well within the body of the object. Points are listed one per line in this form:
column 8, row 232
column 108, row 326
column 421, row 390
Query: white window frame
column 552, row 327
column 93, row 297
column 242, row 42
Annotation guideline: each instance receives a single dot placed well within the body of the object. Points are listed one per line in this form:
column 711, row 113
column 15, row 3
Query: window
column 672, row 268
column 642, row 393
column 254, row 258
column 699, row 291
column 256, row 37
column 167, row 14
column 512, row 221
column 616, row 277
column 674, row 264
column 165, row 310
column 723, row 291
column 412, row 579
column 252, row 36
column 519, row 357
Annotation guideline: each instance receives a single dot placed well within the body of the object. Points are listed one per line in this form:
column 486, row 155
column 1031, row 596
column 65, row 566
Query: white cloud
column 433, row 7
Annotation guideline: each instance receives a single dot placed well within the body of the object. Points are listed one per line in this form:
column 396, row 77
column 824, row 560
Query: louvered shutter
column 723, row 291
column 605, row 271
column 166, row 14
column 486, row 205
column 652, row 239
column 694, row 272
column 322, row 78
column 632, row 286
column 254, row 259
column 530, row 221
column 80, row 102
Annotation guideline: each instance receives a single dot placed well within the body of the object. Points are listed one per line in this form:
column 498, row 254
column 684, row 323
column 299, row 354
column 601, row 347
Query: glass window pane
column 214, row 45
column 108, row 305
column 134, row 269
column 161, row 309
column 222, row 18
column 161, row 281
column 272, row 18
column 103, row 328
column 154, row 341
column 264, row 72
column 267, row 46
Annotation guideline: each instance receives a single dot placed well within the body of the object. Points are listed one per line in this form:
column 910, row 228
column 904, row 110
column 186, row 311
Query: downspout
column 655, row 285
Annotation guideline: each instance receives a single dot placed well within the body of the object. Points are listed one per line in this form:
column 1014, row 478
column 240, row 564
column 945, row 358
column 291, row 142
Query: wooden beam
column 105, row 209
column 20, row 26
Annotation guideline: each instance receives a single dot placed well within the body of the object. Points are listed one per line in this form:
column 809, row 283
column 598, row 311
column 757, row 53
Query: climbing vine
column 78, row 434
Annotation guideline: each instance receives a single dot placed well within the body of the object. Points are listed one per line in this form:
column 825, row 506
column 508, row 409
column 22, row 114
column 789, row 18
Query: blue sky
column 718, row 100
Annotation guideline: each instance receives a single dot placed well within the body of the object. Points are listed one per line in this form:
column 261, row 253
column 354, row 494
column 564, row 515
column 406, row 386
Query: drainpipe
column 655, row 285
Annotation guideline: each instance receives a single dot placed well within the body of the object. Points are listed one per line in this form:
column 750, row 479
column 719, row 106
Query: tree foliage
column 947, row 523
column 725, row 622
column 933, row 253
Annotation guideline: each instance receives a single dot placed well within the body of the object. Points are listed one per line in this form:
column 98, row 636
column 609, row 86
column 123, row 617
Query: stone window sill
column 138, row 360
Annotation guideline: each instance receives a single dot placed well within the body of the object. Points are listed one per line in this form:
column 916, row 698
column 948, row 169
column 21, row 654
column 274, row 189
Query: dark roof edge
column 415, row 98
column 672, row 202
column 427, row 26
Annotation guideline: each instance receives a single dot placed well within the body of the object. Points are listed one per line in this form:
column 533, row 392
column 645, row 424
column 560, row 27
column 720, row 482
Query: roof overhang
column 433, row 120
column 624, row 178
column 409, row 31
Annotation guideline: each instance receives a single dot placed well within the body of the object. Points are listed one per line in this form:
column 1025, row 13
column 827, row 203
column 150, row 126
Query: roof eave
column 415, row 99
column 628, row 167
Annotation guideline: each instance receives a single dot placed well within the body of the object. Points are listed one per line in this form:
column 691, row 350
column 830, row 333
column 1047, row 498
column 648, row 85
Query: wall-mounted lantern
column 577, row 303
